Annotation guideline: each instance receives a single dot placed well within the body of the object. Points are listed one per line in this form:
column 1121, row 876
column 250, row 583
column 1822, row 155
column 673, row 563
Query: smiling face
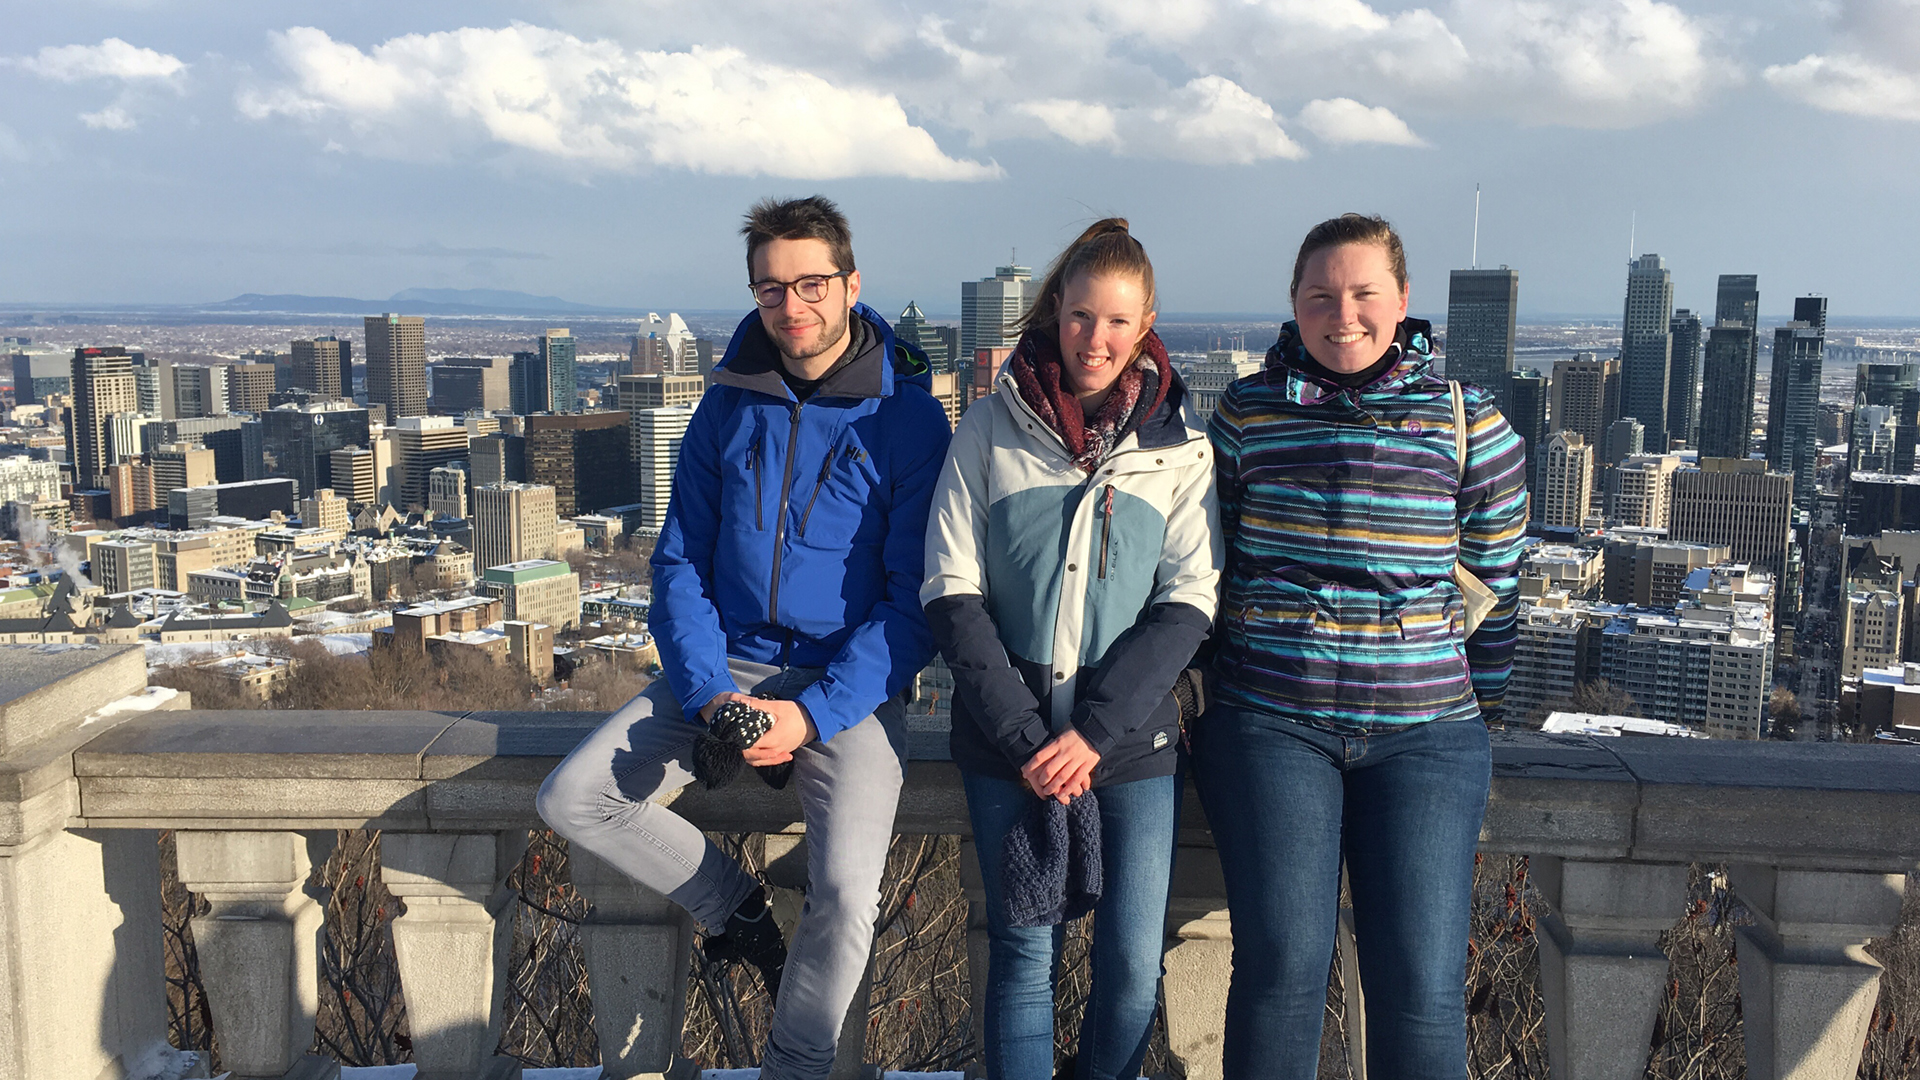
column 810, row 337
column 1349, row 305
column 1102, row 319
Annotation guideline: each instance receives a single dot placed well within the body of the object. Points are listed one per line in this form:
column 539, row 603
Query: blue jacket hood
column 880, row 361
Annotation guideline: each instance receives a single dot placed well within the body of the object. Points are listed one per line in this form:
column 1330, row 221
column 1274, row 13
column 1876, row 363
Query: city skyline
column 236, row 152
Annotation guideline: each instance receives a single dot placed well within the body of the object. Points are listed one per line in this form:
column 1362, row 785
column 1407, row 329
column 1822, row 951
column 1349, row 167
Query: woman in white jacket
column 1072, row 568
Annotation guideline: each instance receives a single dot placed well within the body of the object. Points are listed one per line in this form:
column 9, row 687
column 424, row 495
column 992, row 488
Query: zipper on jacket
column 1106, row 528
column 759, row 501
column 826, row 471
column 780, row 523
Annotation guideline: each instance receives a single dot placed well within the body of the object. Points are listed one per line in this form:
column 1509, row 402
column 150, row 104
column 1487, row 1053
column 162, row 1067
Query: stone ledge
column 47, row 689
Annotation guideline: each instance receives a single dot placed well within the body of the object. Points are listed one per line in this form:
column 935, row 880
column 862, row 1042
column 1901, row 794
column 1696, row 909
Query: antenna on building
column 1475, row 264
column 1633, row 229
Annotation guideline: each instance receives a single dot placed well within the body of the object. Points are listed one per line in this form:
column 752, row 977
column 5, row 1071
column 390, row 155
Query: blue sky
column 602, row 151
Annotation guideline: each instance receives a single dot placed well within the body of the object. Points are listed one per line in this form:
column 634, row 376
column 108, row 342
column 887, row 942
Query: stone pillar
column 1353, row 995
column 786, row 863
column 1199, row 962
column 452, row 944
column 1807, row 985
column 978, row 957
column 1601, row 968
column 259, row 946
column 637, row 946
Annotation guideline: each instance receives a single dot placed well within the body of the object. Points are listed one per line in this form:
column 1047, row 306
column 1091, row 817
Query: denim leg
column 1138, row 822
column 849, row 789
column 1273, row 794
column 1415, row 801
column 1021, row 960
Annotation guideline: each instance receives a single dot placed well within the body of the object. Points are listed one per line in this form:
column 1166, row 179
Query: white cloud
column 1874, row 73
column 1079, row 122
column 1849, row 83
column 594, row 103
column 1215, row 120
column 1344, row 120
column 111, row 118
column 111, row 59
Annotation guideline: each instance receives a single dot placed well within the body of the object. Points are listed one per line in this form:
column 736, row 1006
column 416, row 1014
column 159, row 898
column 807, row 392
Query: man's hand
column 1063, row 768
column 721, row 698
column 791, row 730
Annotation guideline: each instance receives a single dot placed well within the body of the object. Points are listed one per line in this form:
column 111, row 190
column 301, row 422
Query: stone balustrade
column 1817, row 840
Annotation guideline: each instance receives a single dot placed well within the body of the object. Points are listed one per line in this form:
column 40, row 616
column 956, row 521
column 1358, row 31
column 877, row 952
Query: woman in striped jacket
column 1072, row 566
column 1349, row 697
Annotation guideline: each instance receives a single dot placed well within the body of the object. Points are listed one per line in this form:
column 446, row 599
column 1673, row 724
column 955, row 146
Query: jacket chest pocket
column 836, row 504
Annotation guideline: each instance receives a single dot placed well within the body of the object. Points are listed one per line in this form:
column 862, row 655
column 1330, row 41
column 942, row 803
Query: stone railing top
column 1653, row 800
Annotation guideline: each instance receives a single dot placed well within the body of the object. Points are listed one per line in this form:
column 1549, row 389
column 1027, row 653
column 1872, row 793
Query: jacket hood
column 1285, row 361
column 881, row 363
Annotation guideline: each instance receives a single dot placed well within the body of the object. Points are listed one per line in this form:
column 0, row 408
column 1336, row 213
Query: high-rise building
column 1683, row 378
column 1737, row 299
column 988, row 309
column 655, row 436
column 1706, row 665
column 1209, row 379
column 522, row 373
column 659, row 391
column 581, row 456
column 127, row 434
column 1793, row 444
column 1482, row 311
column 199, row 390
column 1870, row 629
column 1726, row 400
column 1566, row 480
column 1645, row 570
column 299, row 440
column 130, row 490
column 1882, row 502
column 499, row 459
column 535, row 590
column 1586, row 396
column 1642, row 490
column 1646, row 347
column 353, row 474
column 512, row 523
column 665, row 347
column 447, row 491
column 102, row 380
column 152, row 387
column 254, row 500
column 397, row 365
column 1886, row 414
column 552, row 382
column 421, row 445
column 324, row 366
column 1739, row 503
column 463, row 384
column 249, row 387
column 38, row 376
column 1625, row 438
column 25, row 480
column 121, row 566
column 1527, row 392
column 180, row 465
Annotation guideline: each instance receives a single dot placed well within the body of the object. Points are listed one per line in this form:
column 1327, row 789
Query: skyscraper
column 397, row 365
column 463, row 384
column 1792, row 436
column 1527, row 392
column 1726, row 400
column 552, row 384
column 656, row 435
column 249, row 387
column 199, row 390
column 1482, row 306
column 1738, row 299
column 1566, row 480
column 663, row 347
column 988, row 308
column 103, row 385
column 1738, row 503
column 421, row 445
column 584, row 457
column 299, row 441
column 912, row 326
column 1886, row 410
column 153, row 388
column 1683, row 378
column 1646, row 347
column 324, row 366
column 1586, row 396
column 512, row 522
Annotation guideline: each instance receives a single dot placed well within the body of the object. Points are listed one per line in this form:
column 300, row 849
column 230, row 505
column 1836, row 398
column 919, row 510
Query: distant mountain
column 413, row 302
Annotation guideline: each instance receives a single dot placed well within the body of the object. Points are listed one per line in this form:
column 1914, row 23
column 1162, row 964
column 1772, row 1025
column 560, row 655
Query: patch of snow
column 145, row 701
column 378, row 1072
column 346, row 644
column 591, row 1072
column 162, row 1062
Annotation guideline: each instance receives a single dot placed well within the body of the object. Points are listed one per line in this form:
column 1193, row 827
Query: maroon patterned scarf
column 1139, row 390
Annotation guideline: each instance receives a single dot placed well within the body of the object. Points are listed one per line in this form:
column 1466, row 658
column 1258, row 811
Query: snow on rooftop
column 1570, row 723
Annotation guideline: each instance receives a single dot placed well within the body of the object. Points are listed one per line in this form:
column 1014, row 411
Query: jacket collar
column 753, row 363
column 1286, row 370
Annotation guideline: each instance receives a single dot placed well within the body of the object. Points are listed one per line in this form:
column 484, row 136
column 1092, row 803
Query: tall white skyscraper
column 655, row 437
column 989, row 306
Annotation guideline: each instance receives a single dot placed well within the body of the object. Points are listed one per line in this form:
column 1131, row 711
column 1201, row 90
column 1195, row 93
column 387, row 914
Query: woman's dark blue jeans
column 1138, row 822
column 1285, row 801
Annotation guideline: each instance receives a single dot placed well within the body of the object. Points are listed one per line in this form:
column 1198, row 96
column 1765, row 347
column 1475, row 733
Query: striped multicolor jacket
column 1342, row 514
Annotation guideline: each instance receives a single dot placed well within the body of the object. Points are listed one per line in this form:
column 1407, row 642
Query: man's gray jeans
column 600, row 798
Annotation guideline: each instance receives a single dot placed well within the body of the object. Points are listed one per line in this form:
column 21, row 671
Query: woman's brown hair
column 1352, row 229
column 1105, row 248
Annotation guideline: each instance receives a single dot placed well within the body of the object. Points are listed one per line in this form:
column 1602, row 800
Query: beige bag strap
column 1459, row 431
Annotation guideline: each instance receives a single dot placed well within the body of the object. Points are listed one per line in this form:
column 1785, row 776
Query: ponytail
column 1106, row 248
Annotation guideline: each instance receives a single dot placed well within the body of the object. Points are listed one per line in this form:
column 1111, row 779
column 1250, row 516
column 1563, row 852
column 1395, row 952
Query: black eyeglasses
column 812, row 289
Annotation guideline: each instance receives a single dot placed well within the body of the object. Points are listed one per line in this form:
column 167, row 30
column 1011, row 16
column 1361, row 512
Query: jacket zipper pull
column 1106, row 529
column 826, row 472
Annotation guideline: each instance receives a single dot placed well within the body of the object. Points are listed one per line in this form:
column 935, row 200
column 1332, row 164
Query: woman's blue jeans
column 1285, row 801
column 1138, row 822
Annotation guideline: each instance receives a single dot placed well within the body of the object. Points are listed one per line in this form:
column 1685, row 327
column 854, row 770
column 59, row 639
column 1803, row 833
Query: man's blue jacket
column 796, row 531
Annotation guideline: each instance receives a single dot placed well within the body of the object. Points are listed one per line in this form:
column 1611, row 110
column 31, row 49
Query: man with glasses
column 787, row 577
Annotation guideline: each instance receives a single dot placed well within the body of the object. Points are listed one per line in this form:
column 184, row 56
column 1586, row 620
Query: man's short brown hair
column 812, row 218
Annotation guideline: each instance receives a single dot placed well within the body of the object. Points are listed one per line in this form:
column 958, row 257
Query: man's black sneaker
column 754, row 938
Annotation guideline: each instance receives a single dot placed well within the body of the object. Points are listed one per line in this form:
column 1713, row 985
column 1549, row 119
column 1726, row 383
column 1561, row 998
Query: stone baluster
column 452, row 944
column 786, row 862
column 1807, row 985
column 636, row 944
column 1198, row 962
column 1601, row 968
column 259, row 946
